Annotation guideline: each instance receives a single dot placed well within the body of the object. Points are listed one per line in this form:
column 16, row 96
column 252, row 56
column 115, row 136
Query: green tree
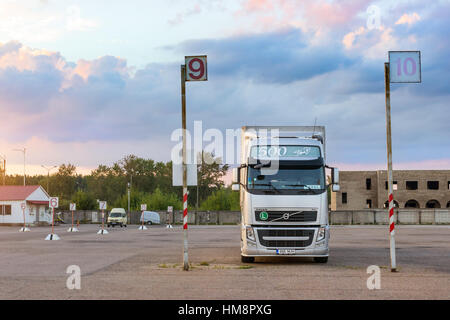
column 223, row 199
column 84, row 201
column 63, row 184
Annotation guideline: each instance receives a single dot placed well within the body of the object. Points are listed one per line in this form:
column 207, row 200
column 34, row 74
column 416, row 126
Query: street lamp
column 48, row 175
column 129, row 196
column 24, row 151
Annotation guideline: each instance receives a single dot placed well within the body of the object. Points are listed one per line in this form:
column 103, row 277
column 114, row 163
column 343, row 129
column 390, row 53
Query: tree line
column 150, row 182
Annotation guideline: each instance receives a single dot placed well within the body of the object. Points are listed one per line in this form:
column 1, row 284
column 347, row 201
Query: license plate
column 285, row 251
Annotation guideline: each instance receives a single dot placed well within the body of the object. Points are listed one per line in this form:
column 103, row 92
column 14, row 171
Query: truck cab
column 283, row 193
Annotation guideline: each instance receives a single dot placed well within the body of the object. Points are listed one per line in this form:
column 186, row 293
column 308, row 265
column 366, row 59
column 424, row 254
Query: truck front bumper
column 270, row 252
column 313, row 248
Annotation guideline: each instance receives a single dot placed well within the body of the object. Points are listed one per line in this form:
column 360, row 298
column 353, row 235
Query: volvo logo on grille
column 286, row 216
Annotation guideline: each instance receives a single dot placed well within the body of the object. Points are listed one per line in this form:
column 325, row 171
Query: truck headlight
column 250, row 233
column 321, row 234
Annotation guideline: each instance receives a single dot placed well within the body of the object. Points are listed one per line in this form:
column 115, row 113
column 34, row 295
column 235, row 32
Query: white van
column 151, row 217
column 117, row 216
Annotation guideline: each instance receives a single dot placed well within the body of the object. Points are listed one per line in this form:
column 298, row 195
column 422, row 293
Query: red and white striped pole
column 185, row 193
column 185, row 210
column 389, row 160
column 185, row 226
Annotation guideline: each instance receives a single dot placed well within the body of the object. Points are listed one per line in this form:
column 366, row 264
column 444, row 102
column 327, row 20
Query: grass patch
column 245, row 266
column 162, row 265
column 204, row 263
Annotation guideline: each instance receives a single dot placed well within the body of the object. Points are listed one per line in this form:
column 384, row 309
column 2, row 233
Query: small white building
column 35, row 199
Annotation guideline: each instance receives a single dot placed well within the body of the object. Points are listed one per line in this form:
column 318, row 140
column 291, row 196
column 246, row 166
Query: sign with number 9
column 196, row 68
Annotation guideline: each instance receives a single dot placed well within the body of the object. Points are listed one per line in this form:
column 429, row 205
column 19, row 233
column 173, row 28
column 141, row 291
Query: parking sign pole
column 185, row 195
column 53, row 219
column 389, row 162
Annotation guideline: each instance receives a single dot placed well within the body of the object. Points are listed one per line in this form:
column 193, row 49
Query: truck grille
column 262, row 233
column 286, row 216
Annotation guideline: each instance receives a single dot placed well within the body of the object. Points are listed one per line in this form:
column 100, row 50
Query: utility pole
column 194, row 69
column 24, row 151
column 48, row 176
column 129, row 198
column 3, row 157
column 389, row 162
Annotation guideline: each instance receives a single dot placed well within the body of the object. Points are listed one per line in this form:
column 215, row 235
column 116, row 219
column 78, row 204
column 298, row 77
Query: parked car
column 151, row 217
column 117, row 216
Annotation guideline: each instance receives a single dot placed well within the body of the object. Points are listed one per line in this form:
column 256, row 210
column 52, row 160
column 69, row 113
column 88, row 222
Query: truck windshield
column 287, row 181
column 115, row 214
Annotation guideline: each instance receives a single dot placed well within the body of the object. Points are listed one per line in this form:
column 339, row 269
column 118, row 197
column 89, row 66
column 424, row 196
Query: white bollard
column 52, row 236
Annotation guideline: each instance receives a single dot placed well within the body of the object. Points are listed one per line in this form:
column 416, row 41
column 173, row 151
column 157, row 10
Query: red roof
column 11, row 193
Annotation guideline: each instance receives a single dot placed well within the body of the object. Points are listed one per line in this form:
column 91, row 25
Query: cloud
column 181, row 16
column 277, row 57
column 317, row 17
column 349, row 38
column 102, row 109
column 408, row 19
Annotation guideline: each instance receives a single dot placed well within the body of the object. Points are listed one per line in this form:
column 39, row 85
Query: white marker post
column 169, row 213
column 194, row 69
column 73, row 207
column 143, row 208
column 24, row 228
column 403, row 67
column 102, row 205
column 53, row 203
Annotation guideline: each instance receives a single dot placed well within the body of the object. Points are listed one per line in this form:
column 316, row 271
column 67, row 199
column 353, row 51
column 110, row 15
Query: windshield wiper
column 303, row 185
column 269, row 185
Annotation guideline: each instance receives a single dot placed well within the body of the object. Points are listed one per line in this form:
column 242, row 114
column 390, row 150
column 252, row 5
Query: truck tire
column 321, row 259
column 245, row 259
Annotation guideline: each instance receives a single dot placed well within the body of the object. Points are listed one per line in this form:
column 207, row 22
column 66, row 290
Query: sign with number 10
column 196, row 68
column 404, row 66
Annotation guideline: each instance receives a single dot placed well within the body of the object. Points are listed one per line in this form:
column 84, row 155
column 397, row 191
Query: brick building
column 412, row 189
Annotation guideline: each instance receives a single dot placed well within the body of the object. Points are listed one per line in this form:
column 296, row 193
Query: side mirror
column 236, row 172
column 235, row 187
column 334, row 175
column 335, row 188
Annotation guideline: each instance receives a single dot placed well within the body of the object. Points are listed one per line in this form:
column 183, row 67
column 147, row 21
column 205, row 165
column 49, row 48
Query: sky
column 88, row 82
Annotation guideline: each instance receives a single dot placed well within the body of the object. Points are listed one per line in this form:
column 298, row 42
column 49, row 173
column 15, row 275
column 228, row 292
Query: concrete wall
column 380, row 216
column 356, row 217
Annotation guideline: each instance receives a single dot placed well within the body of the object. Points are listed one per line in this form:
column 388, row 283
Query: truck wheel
column 245, row 259
column 321, row 259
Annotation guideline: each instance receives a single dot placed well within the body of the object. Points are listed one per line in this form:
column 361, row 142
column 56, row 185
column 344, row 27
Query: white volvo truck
column 283, row 192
